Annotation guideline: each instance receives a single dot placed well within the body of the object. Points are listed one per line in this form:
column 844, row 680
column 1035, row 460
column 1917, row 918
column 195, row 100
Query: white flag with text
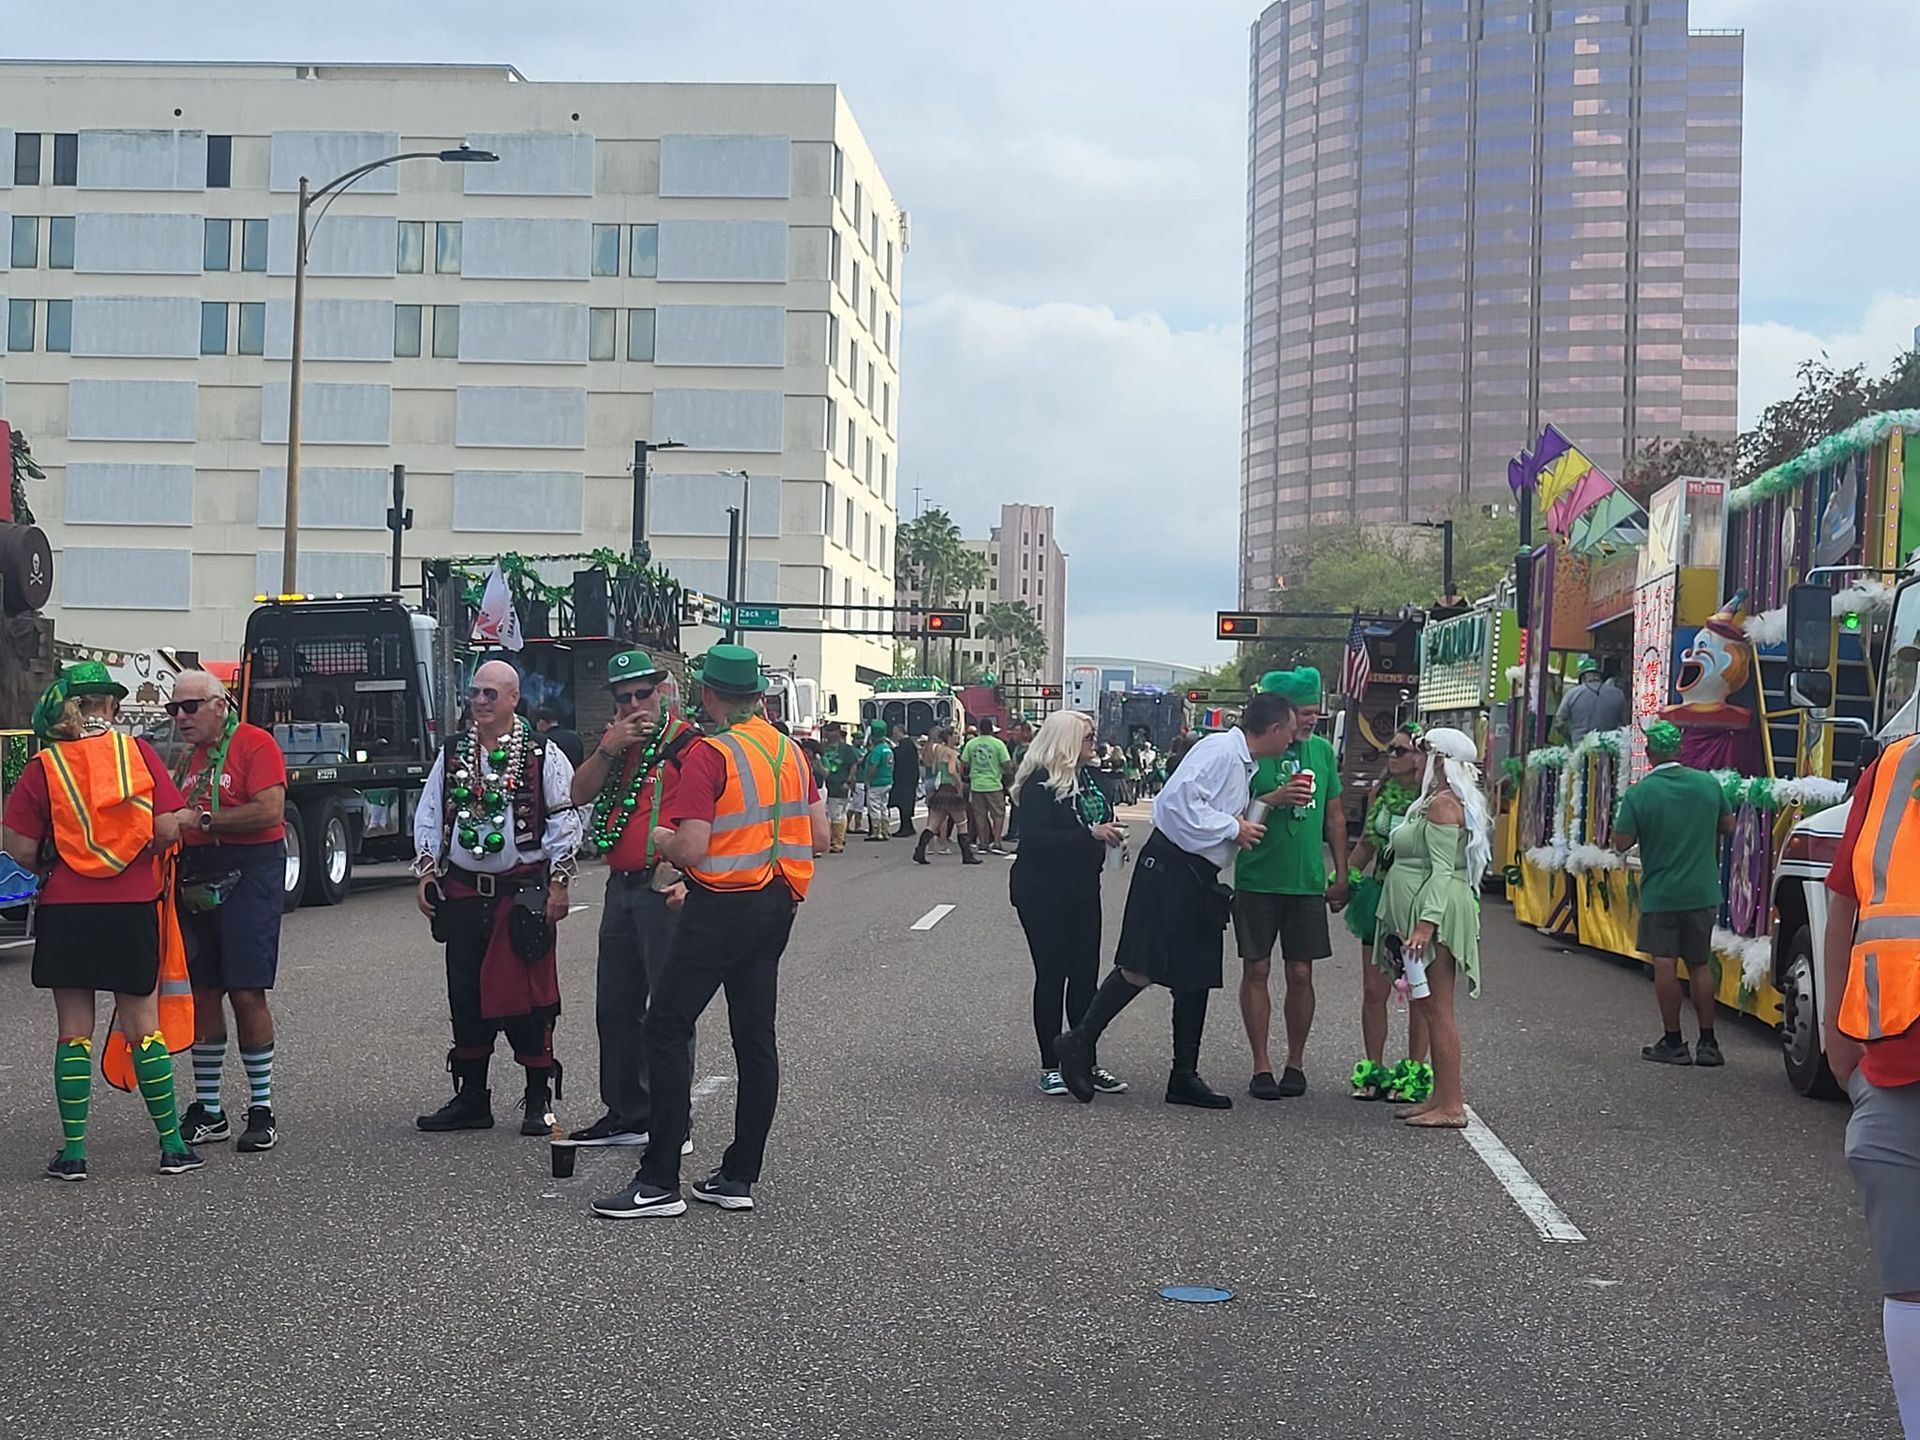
column 498, row 623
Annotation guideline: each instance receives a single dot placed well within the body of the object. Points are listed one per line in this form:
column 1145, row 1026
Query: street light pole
column 290, row 521
column 642, row 482
column 734, row 517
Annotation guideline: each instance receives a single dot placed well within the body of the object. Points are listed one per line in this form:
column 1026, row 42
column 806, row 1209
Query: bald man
column 232, row 875
column 494, row 840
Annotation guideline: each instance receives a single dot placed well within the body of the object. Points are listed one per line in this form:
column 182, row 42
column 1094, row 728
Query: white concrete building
column 714, row 264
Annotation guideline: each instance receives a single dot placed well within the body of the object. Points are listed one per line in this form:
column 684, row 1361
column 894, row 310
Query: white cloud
column 1771, row 352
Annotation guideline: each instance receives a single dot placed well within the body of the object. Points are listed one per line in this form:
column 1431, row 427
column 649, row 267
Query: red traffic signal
column 1197, row 695
column 1049, row 692
column 1235, row 625
column 946, row 622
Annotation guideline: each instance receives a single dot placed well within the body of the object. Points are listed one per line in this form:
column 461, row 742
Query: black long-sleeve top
column 1056, row 846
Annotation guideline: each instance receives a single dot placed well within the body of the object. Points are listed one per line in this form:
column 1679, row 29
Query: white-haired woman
column 1430, row 908
column 1067, row 828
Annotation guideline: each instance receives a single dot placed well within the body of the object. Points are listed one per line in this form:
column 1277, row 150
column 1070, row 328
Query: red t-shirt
column 28, row 813
column 254, row 763
column 630, row 851
column 703, row 780
column 1896, row 1059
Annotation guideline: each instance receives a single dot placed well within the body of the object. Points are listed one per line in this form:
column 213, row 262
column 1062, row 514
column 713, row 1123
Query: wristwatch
column 206, row 820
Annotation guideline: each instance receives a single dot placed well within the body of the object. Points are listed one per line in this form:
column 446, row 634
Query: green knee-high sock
column 73, row 1089
column 153, row 1068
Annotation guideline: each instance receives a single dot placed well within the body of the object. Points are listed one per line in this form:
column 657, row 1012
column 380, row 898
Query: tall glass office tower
column 1468, row 218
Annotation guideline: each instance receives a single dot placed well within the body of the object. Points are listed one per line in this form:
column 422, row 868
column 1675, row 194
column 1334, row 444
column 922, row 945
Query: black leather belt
column 489, row 886
column 634, row 877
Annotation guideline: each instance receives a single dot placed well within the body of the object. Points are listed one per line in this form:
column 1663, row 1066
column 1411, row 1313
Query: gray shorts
column 1685, row 934
column 1883, row 1152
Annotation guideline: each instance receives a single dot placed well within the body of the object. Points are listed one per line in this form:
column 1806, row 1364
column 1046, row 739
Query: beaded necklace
column 204, row 794
column 619, row 799
column 1091, row 802
column 484, row 783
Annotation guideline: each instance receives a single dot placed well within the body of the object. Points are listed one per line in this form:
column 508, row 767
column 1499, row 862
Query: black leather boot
column 920, row 850
column 1184, row 1085
column 967, row 857
column 539, row 1102
column 471, row 1107
column 1075, row 1048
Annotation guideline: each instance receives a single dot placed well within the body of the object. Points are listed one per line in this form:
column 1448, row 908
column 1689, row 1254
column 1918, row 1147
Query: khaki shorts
column 990, row 810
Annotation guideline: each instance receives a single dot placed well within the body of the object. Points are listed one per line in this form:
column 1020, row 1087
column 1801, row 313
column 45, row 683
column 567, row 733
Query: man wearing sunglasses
column 232, row 877
column 494, row 838
column 627, row 782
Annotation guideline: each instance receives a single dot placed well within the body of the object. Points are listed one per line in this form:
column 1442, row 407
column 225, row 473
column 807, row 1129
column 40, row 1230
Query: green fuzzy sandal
column 1371, row 1081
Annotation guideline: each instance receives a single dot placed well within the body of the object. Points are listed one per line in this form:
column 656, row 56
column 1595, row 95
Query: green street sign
column 756, row 617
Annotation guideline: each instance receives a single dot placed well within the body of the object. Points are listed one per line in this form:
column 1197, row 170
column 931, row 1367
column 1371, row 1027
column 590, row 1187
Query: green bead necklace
column 618, row 801
column 483, row 788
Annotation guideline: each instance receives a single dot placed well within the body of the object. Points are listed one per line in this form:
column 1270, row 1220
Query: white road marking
column 576, row 909
column 1548, row 1218
column 932, row 918
column 14, row 944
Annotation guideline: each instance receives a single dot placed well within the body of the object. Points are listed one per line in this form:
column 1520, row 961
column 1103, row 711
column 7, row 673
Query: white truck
column 1799, row 892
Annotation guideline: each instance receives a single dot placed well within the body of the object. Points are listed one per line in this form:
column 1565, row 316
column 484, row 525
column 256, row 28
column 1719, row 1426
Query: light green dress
column 1428, row 881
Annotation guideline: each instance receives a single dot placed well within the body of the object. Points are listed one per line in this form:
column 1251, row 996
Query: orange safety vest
column 100, row 794
column 1883, row 978
column 761, row 827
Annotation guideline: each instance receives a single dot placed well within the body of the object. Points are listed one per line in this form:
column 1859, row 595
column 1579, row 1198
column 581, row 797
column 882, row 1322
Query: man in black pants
column 1177, row 909
column 906, row 778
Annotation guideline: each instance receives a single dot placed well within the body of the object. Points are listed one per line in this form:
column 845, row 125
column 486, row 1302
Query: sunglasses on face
column 1397, row 750
column 482, row 692
column 186, row 707
column 635, row 696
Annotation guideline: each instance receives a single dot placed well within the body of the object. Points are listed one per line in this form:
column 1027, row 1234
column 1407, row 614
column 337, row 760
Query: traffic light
column 1196, row 696
column 1049, row 692
column 1236, row 625
column 947, row 622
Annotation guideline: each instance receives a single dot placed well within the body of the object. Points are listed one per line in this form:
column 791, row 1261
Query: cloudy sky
column 1075, row 170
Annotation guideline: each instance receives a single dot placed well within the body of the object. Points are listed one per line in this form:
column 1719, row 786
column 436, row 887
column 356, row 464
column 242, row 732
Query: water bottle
column 1257, row 812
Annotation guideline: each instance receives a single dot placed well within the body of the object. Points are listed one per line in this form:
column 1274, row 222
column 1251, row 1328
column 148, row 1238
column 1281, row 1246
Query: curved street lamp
column 461, row 155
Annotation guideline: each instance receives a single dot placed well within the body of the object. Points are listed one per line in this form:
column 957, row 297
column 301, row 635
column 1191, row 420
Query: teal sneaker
column 1051, row 1083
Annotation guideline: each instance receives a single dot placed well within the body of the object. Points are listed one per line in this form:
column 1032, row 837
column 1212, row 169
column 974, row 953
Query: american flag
column 1357, row 668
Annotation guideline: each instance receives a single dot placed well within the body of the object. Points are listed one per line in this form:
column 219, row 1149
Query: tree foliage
column 1661, row 461
column 1017, row 637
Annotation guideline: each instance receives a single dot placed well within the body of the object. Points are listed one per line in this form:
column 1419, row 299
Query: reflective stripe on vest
column 1882, row 997
column 760, row 825
column 100, row 797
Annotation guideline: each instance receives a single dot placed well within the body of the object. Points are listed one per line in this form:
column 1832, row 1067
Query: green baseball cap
column 631, row 665
column 732, row 670
column 1586, row 665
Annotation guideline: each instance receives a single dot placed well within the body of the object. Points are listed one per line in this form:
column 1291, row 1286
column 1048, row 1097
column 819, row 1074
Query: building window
column 19, row 326
column 216, row 250
column 866, row 538
column 849, row 539
column 26, row 158
column 886, row 405
column 886, row 555
column 869, row 387
column 253, row 328
column 833, row 260
column 410, row 247
column 60, row 242
column 850, row 442
column 26, row 242
column 859, row 205
column 826, row 515
column 853, row 366
column 883, row 477
column 873, row 311
column 833, row 341
column 446, row 332
column 219, row 162
column 446, row 247
column 833, row 420
column 213, row 327
column 839, row 172
column 643, row 257
column 853, row 291
column 640, row 334
column 889, row 264
column 601, row 327
column 253, row 245
column 888, row 347
column 59, row 327
column 66, row 159
column 406, row 332
column 606, row 250
column 869, row 475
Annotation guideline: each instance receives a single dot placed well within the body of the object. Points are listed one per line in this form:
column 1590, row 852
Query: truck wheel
column 329, row 855
column 1800, row 1043
column 296, row 877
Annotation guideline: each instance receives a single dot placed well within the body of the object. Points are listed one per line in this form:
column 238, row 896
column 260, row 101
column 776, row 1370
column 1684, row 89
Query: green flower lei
column 205, row 792
column 1393, row 798
column 1097, row 813
column 619, row 800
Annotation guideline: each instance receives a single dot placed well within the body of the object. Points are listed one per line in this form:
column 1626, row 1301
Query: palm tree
column 1005, row 625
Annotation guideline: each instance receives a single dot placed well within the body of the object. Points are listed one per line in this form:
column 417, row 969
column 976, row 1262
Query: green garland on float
column 1789, row 475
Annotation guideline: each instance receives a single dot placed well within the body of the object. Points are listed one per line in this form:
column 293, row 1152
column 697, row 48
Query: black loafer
column 1263, row 1087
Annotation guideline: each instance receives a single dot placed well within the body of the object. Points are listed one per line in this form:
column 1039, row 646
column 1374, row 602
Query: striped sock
column 73, row 1088
column 259, row 1065
column 209, row 1059
column 153, row 1069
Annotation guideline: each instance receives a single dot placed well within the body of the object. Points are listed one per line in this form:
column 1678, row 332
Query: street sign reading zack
column 756, row 617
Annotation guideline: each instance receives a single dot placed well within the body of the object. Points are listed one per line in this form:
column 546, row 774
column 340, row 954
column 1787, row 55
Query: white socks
column 1901, row 1320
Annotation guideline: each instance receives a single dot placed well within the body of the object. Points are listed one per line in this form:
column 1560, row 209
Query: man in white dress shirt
column 1177, row 909
column 495, row 836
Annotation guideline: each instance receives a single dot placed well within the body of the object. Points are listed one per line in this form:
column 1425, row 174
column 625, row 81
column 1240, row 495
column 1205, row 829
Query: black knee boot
column 967, row 857
column 542, row 1085
column 1184, row 1085
column 920, row 850
column 1075, row 1049
column 471, row 1107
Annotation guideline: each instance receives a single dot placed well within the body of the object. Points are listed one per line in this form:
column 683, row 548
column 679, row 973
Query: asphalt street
column 940, row 1250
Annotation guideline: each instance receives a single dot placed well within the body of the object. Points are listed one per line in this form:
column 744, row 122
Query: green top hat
column 732, row 670
column 90, row 677
column 631, row 665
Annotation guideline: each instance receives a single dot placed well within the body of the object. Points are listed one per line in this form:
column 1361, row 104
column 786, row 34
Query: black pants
column 731, row 939
column 469, row 926
column 1063, row 932
column 904, row 800
column 636, row 932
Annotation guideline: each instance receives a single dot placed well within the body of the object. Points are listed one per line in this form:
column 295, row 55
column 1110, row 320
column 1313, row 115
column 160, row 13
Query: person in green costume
column 1283, row 889
column 1412, row 1079
column 1429, row 927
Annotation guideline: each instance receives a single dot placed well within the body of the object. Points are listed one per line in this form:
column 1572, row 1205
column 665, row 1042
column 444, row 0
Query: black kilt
column 97, row 947
column 1176, row 918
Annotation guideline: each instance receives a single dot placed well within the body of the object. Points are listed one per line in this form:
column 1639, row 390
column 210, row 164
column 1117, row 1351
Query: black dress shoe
column 1185, row 1087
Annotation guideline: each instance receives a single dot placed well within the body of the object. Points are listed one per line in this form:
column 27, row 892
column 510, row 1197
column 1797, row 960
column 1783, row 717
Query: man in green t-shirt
column 839, row 759
column 1678, row 816
column 1281, row 887
column 983, row 763
column 876, row 771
